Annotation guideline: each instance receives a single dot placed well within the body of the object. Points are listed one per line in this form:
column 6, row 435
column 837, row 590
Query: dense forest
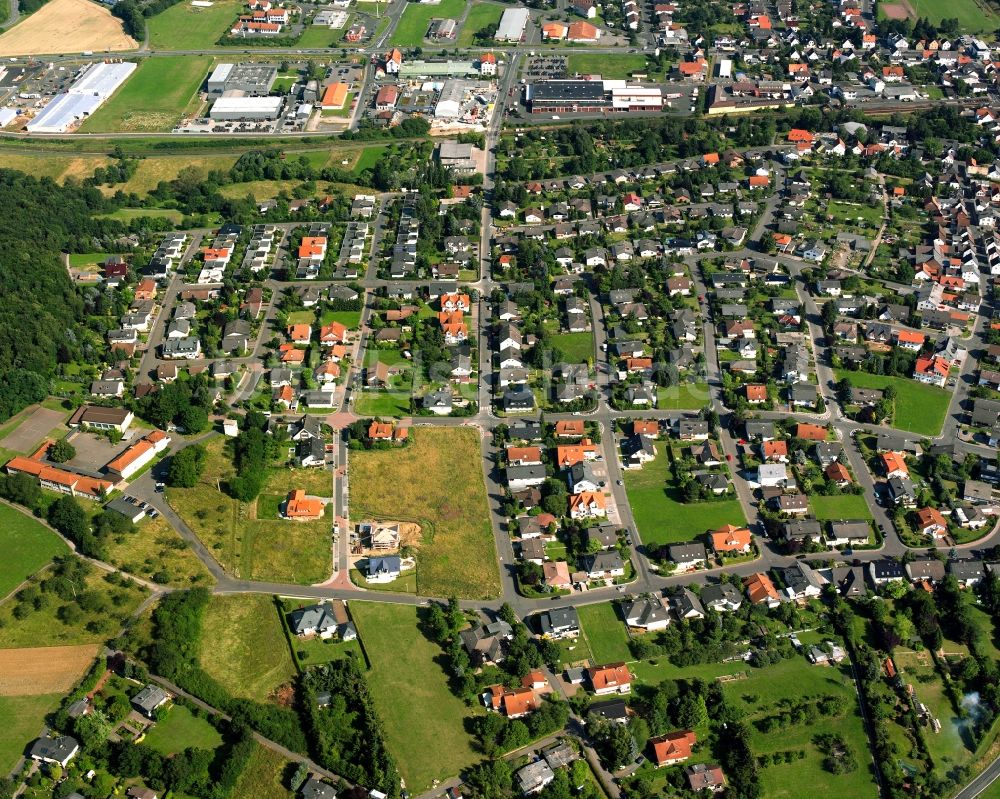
column 39, row 307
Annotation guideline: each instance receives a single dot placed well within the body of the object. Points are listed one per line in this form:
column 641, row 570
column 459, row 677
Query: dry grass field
column 437, row 482
column 244, row 647
column 256, row 549
column 157, row 549
column 66, row 26
column 43, row 670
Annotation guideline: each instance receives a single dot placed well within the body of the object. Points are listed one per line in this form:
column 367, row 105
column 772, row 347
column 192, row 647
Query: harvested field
column 43, row 670
column 66, row 26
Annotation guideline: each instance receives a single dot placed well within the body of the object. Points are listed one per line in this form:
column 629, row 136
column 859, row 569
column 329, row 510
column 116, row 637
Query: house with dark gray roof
column 149, row 699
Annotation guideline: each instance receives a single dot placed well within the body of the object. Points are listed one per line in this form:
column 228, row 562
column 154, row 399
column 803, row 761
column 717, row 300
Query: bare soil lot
column 66, row 26
column 896, row 10
column 43, row 670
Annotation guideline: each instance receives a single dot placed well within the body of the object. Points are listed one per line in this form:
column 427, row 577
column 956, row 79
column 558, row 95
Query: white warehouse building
column 88, row 92
column 251, row 108
column 512, row 24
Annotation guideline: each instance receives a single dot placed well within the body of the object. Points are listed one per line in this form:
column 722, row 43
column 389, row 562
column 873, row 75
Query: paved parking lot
column 94, row 451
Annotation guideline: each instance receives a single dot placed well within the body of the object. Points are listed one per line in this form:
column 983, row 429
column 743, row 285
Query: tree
column 62, row 451
column 194, row 419
column 186, row 466
column 23, row 489
column 69, row 518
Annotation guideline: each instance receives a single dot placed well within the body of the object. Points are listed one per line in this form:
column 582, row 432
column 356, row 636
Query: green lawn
column 973, row 17
column 574, row 347
column 609, row 67
column 181, row 729
column 315, row 36
column 154, row 98
column 416, row 17
column 350, row 319
column 426, row 733
column 758, row 696
column 683, row 397
column 480, row 16
column 919, row 408
column 605, row 633
column 184, row 27
column 660, row 515
column 436, row 481
column 845, row 506
column 84, row 259
column 303, row 317
column 382, row 403
column 369, row 157
column 23, row 719
column 26, row 544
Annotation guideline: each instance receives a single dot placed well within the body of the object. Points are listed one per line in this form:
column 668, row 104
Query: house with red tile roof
column 930, row 521
column 672, row 748
column 730, row 539
column 760, row 590
column 301, row 507
column 613, row 678
column 894, row 464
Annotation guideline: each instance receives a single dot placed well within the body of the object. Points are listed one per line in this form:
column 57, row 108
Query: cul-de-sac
column 487, row 399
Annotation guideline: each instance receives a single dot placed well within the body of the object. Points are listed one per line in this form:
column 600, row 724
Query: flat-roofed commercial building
column 567, row 96
column 251, row 108
column 636, row 98
column 254, row 80
column 512, row 25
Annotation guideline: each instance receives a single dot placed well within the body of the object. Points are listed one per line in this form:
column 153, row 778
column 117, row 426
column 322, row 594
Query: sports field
column 426, row 733
column 413, row 24
column 26, row 544
column 437, row 481
column 919, row 408
column 185, row 27
column 66, row 26
column 154, row 98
